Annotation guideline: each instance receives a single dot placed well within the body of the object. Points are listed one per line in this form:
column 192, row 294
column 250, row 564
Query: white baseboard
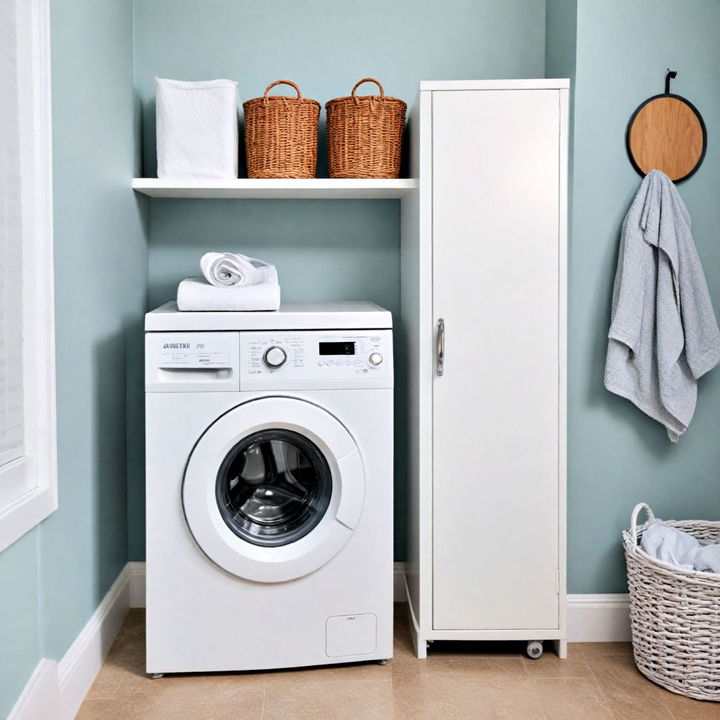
column 81, row 663
column 41, row 697
column 598, row 618
column 590, row 618
column 56, row 690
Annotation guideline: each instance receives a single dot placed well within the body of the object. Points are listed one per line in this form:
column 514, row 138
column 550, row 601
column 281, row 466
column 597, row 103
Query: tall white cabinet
column 484, row 315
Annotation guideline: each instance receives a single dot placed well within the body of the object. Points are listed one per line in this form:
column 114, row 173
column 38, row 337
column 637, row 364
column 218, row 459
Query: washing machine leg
column 382, row 662
column 155, row 676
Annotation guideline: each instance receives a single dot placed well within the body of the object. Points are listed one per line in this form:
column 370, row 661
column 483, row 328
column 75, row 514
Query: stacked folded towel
column 236, row 270
column 231, row 282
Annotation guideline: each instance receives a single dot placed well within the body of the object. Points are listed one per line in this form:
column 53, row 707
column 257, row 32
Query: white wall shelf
column 315, row 188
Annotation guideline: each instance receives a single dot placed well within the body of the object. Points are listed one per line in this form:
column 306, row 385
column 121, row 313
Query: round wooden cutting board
column 667, row 133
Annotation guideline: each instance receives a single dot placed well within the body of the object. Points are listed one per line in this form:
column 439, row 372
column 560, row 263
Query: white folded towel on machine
column 199, row 295
column 236, row 270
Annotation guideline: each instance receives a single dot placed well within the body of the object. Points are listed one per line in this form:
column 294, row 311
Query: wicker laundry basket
column 674, row 614
column 281, row 135
column 365, row 134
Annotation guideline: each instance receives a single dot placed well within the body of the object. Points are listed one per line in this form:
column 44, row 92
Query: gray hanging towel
column 663, row 335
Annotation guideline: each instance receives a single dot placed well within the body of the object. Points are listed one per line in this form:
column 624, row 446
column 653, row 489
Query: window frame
column 28, row 485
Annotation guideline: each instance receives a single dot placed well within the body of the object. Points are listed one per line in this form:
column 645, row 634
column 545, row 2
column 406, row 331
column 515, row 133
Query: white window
column 28, row 473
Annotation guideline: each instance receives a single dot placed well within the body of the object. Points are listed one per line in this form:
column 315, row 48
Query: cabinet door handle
column 440, row 348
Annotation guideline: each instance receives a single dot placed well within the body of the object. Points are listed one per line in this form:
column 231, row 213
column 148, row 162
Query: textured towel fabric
column 669, row 545
column 707, row 558
column 197, row 129
column 679, row 548
column 236, row 270
column 663, row 334
column 196, row 294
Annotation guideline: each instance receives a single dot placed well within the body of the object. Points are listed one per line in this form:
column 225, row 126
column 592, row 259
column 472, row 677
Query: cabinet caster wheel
column 382, row 662
column 155, row 676
column 534, row 649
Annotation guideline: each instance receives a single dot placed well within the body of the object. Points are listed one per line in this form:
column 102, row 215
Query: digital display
column 337, row 348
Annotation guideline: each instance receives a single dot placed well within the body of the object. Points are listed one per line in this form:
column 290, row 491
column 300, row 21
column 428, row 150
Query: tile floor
column 457, row 681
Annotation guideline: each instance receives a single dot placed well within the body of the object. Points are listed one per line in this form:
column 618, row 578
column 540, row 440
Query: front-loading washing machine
column 269, row 457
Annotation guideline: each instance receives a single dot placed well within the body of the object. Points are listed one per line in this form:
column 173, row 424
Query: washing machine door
column 273, row 489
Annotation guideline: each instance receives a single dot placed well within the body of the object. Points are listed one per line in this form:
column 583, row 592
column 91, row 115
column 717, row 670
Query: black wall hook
column 671, row 75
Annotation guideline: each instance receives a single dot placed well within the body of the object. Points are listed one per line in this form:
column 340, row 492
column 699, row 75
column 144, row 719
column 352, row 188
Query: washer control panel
column 338, row 357
column 268, row 360
column 192, row 362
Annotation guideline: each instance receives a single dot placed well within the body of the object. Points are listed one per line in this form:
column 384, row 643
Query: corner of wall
column 561, row 38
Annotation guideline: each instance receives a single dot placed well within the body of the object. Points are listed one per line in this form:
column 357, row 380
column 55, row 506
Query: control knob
column 275, row 357
column 375, row 359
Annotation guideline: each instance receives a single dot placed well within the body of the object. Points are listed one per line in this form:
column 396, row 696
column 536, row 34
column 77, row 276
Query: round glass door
column 273, row 487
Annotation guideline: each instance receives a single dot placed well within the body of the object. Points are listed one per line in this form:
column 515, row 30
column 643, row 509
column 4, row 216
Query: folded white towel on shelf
column 236, row 270
column 199, row 295
column 196, row 129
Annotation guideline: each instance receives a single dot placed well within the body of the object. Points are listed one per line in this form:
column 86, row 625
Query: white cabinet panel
column 496, row 410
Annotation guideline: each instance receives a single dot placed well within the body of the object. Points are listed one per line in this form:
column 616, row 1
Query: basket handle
column 364, row 80
column 281, row 82
column 633, row 518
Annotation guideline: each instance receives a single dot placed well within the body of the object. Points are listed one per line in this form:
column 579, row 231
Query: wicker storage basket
column 281, row 135
column 365, row 134
column 674, row 614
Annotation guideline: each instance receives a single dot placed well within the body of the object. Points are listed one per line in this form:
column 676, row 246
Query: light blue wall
column 100, row 286
column 617, row 456
column 20, row 633
column 560, row 38
column 324, row 250
column 561, row 62
column 53, row 578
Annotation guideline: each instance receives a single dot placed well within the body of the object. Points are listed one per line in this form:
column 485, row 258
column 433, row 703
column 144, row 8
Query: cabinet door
column 496, row 408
